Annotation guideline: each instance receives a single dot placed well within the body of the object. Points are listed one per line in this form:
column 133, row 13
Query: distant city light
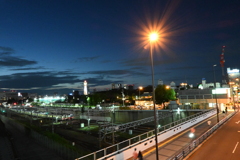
column 49, row 99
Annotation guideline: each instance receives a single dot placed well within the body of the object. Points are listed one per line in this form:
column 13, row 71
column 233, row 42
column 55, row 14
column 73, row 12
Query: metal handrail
column 191, row 146
column 132, row 141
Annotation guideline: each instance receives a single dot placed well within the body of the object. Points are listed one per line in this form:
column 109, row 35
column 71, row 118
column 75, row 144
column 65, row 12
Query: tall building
column 233, row 74
column 85, row 90
column 113, row 86
column 173, row 85
column 160, row 82
column 205, row 85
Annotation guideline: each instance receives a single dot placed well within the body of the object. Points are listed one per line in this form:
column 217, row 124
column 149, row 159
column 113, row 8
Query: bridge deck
column 170, row 147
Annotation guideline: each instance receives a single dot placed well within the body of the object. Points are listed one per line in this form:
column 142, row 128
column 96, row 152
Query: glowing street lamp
column 184, row 85
column 153, row 37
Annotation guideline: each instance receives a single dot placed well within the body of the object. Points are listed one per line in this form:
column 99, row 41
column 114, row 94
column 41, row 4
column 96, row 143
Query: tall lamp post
column 232, row 90
column 215, row 91
column 139, row 88
column 152, row 38
column 237, row 80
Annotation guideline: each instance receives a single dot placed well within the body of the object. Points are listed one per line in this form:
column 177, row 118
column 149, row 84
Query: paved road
column 224, row 144
column 170, row 147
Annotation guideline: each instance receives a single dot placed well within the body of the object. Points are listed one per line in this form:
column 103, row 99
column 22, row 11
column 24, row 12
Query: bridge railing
column 121, row 145
column 191, row 146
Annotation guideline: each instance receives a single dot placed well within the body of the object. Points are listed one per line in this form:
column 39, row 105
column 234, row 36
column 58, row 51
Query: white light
column 220, row 91
column 178, row 111
column 191, row 135
column 233, row 71
column 153, row 36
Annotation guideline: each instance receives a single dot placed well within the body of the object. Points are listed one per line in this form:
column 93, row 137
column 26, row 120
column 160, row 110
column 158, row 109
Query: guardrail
column 120, row 146
column 190, row 147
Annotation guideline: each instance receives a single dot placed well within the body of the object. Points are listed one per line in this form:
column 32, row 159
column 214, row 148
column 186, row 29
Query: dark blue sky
column 49, row 46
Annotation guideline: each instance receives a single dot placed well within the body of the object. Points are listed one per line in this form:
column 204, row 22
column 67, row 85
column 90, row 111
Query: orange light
column 153, row 37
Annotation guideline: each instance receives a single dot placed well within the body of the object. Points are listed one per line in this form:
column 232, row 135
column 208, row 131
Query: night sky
column 52, row 46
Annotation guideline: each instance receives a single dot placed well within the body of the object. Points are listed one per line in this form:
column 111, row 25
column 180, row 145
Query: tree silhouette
column 163, row 94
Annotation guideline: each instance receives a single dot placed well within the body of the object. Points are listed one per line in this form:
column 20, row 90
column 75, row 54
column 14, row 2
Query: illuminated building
column 85, row 90
column 233, row 74
column 160, row 82
column 205, row 85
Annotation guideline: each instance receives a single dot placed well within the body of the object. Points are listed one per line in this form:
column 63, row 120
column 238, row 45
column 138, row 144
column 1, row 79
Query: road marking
column 235, row 147
column 238, row 122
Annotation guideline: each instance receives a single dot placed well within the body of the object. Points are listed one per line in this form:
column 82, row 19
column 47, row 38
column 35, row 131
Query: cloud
column 10, row 61
column 87, row 59
column 187, row 67
column 26, row 69
column 106, row 61
column 34, row 79
column 142, row 62
column 116, row 73
column 6, row 49
column 95, row 82
column 61, row 82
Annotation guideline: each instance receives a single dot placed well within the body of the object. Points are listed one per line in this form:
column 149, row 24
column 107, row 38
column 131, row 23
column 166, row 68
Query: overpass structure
column 108, row 128
column 124, row 149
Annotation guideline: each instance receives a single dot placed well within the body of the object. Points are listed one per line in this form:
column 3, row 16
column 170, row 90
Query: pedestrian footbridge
column 124, row 149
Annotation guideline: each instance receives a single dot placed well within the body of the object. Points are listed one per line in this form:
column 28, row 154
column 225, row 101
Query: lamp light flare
column 153, row 36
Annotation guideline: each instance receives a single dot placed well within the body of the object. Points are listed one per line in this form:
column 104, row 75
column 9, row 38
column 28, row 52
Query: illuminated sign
column 233, row 71
column 220, row 91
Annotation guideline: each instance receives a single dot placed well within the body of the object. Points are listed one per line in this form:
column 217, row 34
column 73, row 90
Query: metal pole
column 233, row 96
column 138, row 93
column 153, row 97
column 215, row 92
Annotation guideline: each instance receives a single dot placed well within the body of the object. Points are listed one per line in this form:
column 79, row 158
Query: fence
column 63, row 151
column 120, row 146
column 190, row 147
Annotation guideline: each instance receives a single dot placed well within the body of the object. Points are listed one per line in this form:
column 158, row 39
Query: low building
column 205, row 98
column 205, row 85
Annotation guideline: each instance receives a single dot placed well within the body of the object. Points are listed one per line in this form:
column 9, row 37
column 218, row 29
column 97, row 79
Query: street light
column 184, row 85
column 232, row 90
column 139, row 88
column 237, row 84
column 152, row 38
column 215, row 91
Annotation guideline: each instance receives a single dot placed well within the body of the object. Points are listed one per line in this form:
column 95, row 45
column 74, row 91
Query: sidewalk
column 170, row 147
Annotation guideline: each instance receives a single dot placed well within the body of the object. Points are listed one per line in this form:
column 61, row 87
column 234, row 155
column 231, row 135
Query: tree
column 162, row 94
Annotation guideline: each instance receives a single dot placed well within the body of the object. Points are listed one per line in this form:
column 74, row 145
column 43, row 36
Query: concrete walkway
column 173, row 145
